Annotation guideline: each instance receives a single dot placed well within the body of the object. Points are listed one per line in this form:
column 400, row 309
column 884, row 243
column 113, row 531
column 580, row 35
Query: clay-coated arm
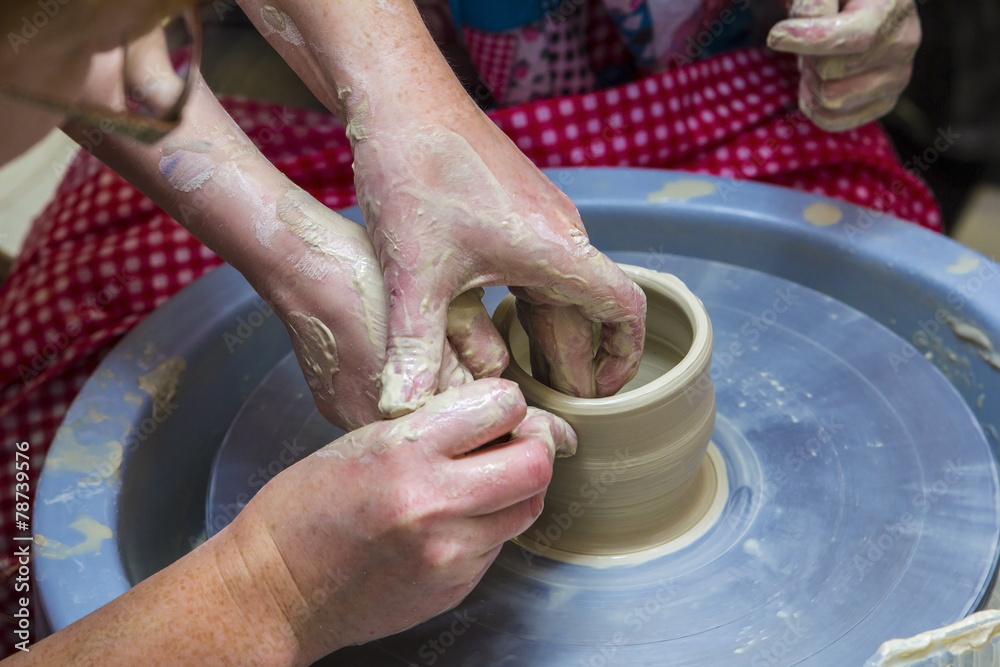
column 317, row 269
column 451, row 205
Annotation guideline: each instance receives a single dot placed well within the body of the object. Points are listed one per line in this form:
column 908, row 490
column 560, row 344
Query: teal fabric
column 496, row 15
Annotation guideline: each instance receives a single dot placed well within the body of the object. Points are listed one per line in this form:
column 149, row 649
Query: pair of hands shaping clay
column 441, row 226
column 384, row 322
column 411, row 510
column 453, row 208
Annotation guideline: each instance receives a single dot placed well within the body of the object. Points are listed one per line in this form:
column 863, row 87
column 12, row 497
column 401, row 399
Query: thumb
column 148, row 69
column 414, row 344
column 795, row 34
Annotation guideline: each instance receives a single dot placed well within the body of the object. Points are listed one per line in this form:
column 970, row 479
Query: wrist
column 312, row 244
column 260, row 593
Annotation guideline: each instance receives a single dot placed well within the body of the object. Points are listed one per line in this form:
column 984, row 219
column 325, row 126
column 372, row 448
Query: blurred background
column 955, row 93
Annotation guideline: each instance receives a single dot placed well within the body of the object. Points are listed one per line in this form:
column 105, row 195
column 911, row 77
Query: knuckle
column 414, row 508
column 443, row 555
column 639, row 305
column 406, row 518
column 495, row 365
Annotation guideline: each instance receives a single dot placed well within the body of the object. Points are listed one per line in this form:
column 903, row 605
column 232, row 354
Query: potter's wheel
column 151, row 495
column 863, row 506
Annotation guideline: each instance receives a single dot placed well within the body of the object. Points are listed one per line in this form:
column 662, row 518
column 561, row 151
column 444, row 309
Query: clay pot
column 640, row 479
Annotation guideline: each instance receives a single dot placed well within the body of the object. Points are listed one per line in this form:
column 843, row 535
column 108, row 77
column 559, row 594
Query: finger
column 498, row 527
column 505, row 474
column 855, row 29
column 470, row 331
column 451, row 424
column 846, row 95
column 562, row 342
column 842, row 105
column 838, row 121
column 554, row 431
column 465, row 418
column 149, row 74
column 539, row 364
column 618, row 359
column 622, row 340
column 453, row 372
column 415, row 336
column 895, row 52
column 620, row 302
column 620, row 307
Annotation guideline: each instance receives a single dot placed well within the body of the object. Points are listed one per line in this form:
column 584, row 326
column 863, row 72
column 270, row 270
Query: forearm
column 450, row 202
column 208, row 176
column 206, row 608
column 362, row 56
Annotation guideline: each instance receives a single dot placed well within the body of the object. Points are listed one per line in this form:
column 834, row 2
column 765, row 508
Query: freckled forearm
column 354, row 53
column 184, row 614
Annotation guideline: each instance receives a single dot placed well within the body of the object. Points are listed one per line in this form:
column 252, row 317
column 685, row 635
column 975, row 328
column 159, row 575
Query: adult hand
column 855, row 62
column 331, row 299
column 397, row 522
column 372, row 534
column 452, row 206
column 330, row 296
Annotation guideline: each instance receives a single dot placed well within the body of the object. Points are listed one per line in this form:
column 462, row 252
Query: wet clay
column 823, row 214
column 640, row 484
column 970, row 641
column 682, row 190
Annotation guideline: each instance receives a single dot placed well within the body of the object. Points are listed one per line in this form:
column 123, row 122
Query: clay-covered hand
column 331, row 298
column 396, row 522
column 328, row 292
column 856, row 59
column 452, row 205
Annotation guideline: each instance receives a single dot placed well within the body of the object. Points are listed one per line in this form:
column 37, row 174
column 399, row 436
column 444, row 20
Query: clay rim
column 681, row 378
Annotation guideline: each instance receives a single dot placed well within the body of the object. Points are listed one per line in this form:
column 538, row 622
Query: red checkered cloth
column 734, row 115
column 102, row 256
column 493, row 54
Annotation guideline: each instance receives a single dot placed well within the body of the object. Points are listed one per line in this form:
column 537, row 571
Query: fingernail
column 776, row 36
column 567, row 445
column 567, row 439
